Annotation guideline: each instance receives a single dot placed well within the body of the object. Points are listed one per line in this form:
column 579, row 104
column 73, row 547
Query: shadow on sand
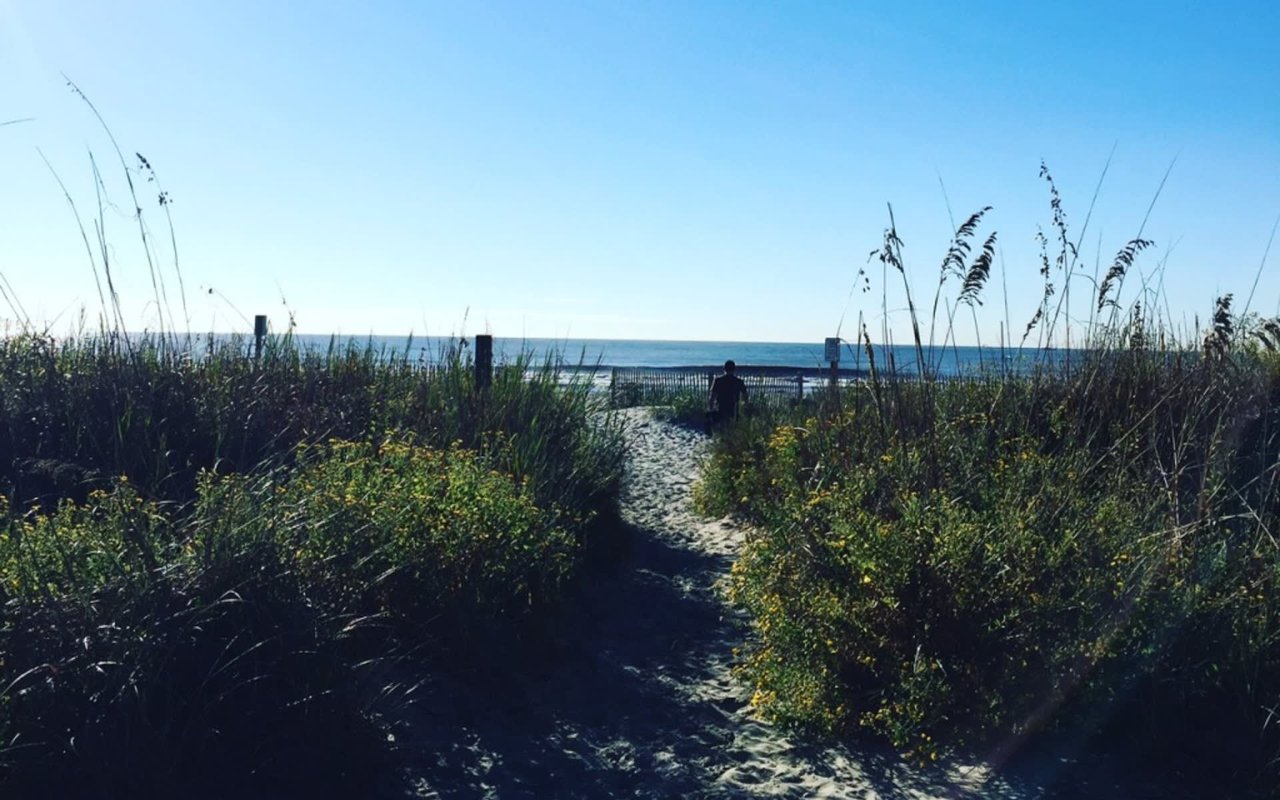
column 634, row 698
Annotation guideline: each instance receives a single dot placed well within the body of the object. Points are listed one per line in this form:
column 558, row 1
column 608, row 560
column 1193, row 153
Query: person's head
column 729, row 367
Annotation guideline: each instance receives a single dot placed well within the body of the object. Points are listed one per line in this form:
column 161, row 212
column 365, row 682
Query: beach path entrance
column 637, row 697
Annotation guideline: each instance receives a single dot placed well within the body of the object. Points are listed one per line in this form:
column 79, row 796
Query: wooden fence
column 766, row 386
column 642, row 386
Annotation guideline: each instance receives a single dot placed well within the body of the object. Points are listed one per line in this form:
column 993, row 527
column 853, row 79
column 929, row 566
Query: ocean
column 608, row 353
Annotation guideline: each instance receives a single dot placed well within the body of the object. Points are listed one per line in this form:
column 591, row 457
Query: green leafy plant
column 1084, row 542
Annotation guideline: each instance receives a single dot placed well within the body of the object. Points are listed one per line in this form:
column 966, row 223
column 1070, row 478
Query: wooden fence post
column 259, row 333
column 484, row 361
column 831, row 349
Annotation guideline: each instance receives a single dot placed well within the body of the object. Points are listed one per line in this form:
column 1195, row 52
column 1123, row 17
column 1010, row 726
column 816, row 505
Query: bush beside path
column 636, row 696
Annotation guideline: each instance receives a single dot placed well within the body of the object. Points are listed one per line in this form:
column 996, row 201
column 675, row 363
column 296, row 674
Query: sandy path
column 637, row 698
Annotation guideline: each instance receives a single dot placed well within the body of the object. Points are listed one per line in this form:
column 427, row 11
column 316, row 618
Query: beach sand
column 637, row 697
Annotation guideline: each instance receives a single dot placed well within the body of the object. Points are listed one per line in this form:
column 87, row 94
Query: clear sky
column 698, row 170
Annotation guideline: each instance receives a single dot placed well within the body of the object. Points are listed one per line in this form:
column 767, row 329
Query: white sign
column 833, row 349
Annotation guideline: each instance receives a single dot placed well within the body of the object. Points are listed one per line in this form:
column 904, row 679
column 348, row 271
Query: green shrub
column 118, row 538
column 146, row 646
column 955, row 564
column 410, row 528
column 1079, row 537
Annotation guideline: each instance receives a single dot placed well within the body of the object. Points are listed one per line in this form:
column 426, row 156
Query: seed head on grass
column 979, row 271
column 1119, row 268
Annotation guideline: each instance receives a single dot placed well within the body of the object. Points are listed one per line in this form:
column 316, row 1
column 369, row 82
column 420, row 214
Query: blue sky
column 691, row 170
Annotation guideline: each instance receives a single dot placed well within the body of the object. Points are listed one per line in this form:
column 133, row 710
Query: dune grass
column 209, row 565
column 962, row 565
column 159, row 411
column 216, row 566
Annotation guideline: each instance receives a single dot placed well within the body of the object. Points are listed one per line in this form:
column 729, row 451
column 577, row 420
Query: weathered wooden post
column 800, row 386
column 259, row 333
column 484, row 361
column 833, row 355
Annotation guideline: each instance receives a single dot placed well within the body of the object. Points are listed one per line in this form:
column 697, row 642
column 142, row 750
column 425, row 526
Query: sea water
column 604, row 354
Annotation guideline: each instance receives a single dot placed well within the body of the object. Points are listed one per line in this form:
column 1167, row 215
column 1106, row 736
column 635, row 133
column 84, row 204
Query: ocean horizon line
column 311, row 337
column 666, row 354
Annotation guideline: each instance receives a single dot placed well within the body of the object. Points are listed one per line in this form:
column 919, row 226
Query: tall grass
column 81, row 410
column 204, row 559
column 135, row 667
column 209, row 562
column 966, row 564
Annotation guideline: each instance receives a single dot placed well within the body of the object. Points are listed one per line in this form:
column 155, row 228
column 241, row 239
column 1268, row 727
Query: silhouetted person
column 726, row 390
